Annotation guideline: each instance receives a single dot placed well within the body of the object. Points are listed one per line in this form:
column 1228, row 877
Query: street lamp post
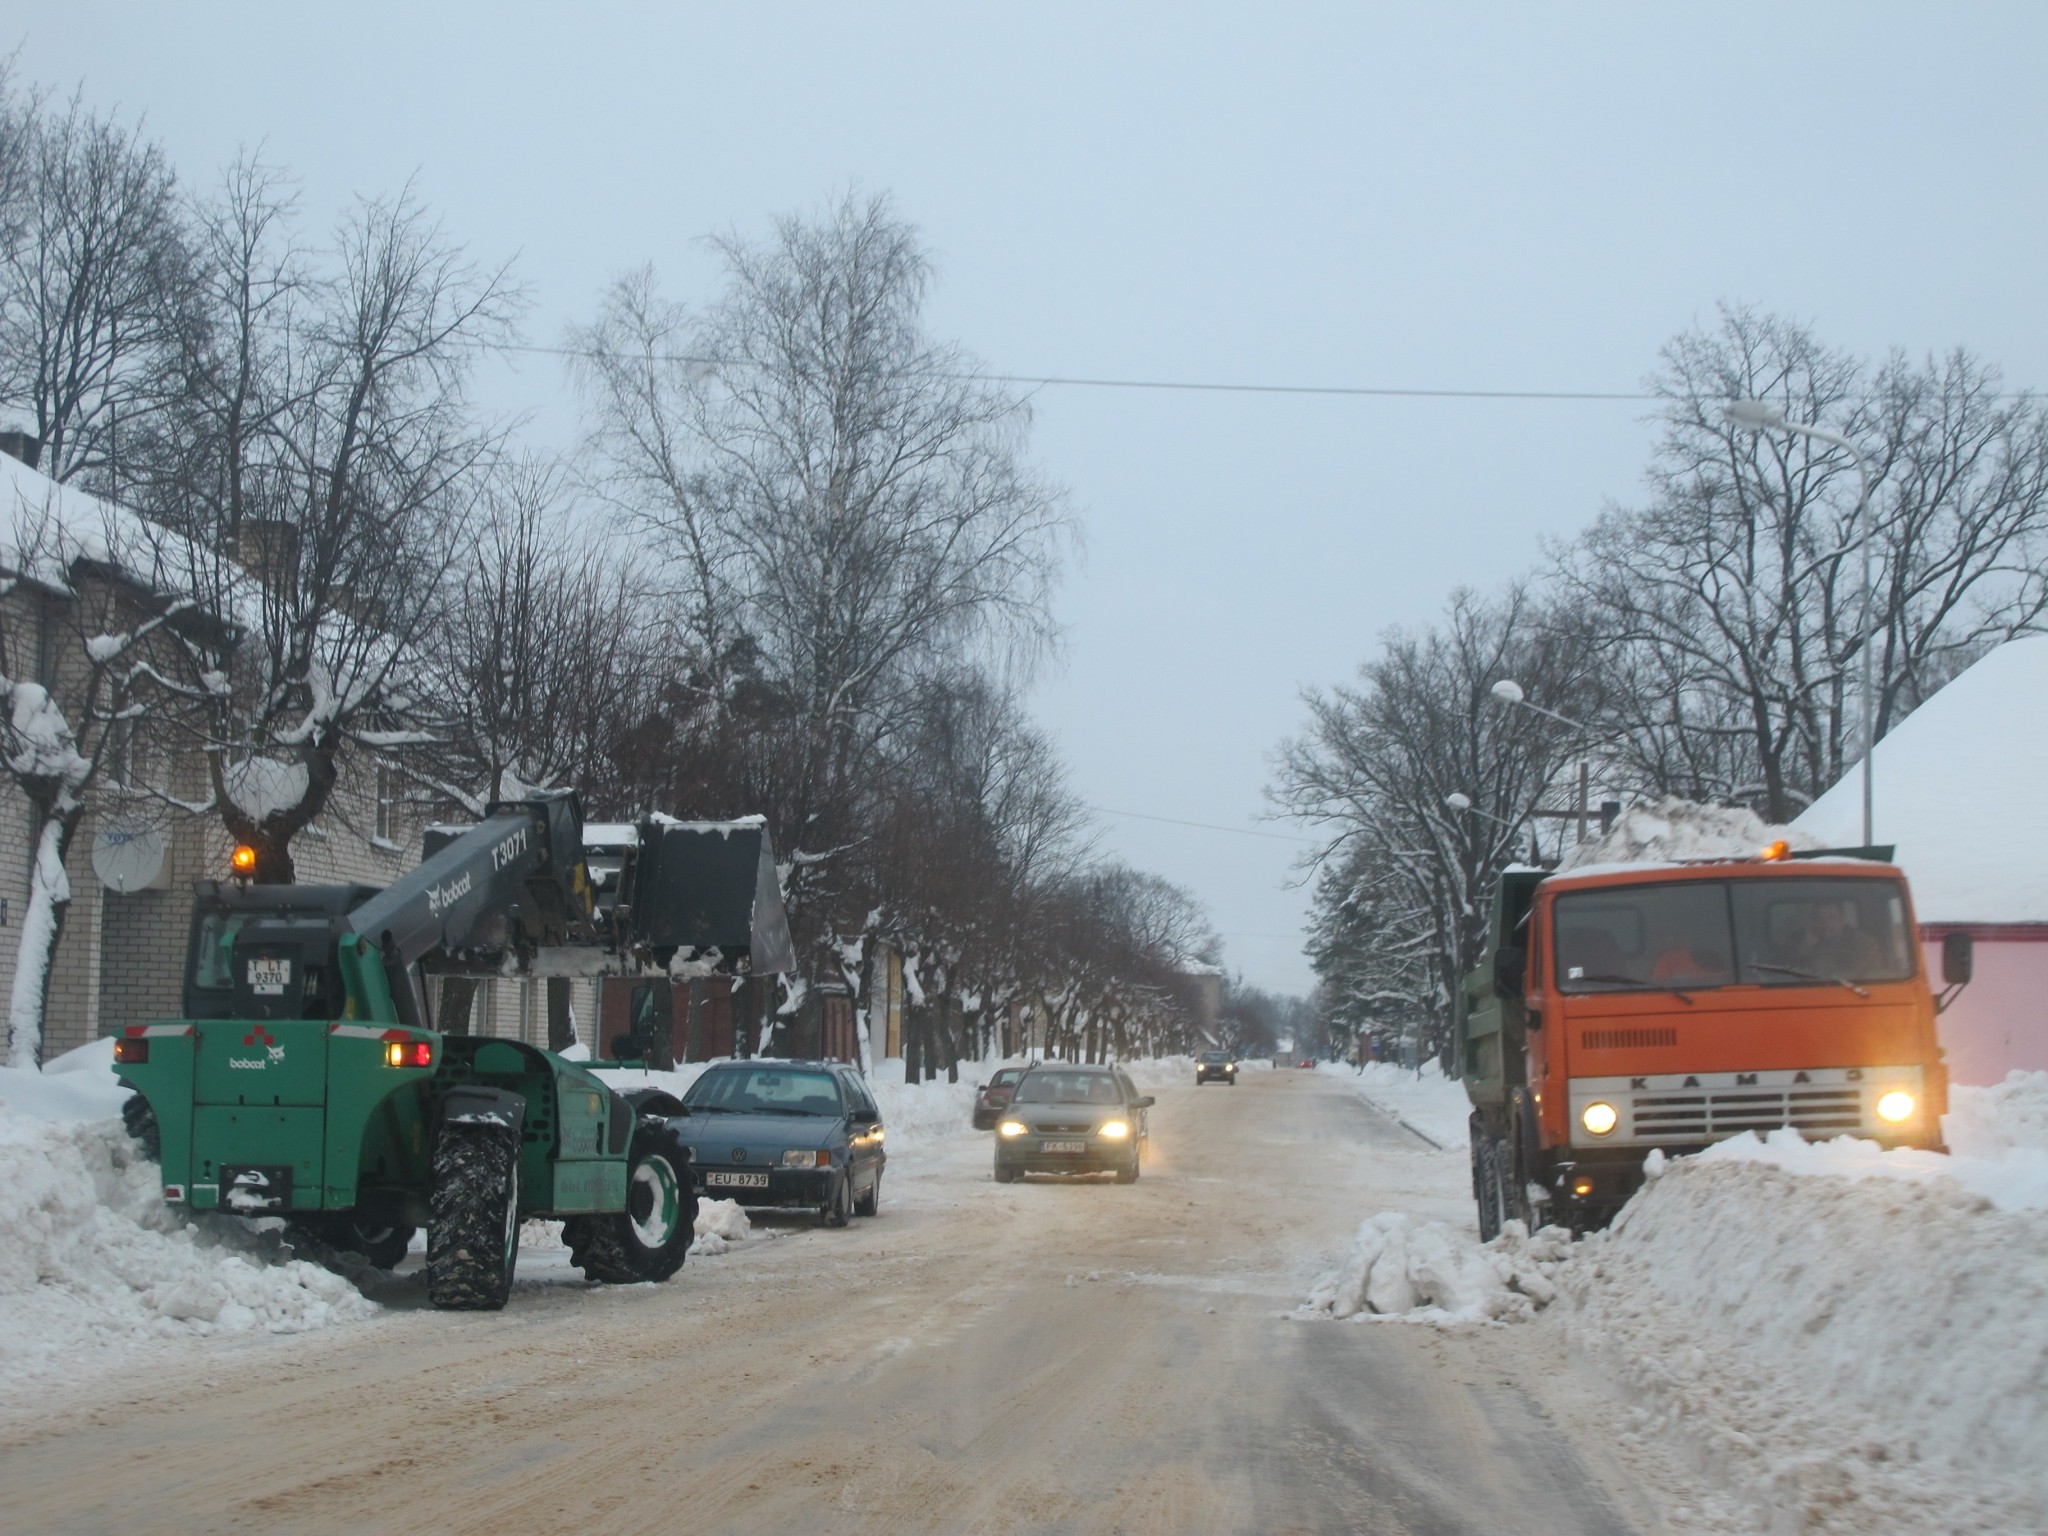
column 1508, row 691
column 1762, row 416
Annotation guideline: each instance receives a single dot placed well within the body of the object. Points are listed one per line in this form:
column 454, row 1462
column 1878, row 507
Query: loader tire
column 645, row 1242
column 473, row 1225
column 140, row 1120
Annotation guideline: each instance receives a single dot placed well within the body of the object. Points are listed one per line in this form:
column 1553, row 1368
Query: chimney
column 268, row 549
column 22, row 446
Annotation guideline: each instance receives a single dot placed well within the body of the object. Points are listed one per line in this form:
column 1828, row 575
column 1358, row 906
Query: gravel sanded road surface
column 1044, row 1357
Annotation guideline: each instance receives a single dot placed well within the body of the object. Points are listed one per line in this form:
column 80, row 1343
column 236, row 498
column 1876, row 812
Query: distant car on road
column 786, row 1133
column 1072, row 1119
column 1215, row 1067
column 1307, row 1061
column 993, row 1095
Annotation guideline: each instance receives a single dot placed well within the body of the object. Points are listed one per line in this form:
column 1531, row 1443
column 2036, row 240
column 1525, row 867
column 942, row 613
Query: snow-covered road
column 1043, row 1357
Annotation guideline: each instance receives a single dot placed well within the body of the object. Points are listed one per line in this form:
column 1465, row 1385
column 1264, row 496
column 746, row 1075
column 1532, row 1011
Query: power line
column 1207, row 826
column 1183, row 386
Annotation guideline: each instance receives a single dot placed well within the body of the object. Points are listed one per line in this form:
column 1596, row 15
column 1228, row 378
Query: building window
column 384, row 803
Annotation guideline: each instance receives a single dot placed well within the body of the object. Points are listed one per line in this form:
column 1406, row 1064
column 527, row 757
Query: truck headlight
column 1013, row 1128
column 1600, row 1118
column 1114, row 1130
column 1895, row 1106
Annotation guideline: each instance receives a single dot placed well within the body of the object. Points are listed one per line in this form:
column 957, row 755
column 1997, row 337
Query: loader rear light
column 408, row 1053
column 132, row 1053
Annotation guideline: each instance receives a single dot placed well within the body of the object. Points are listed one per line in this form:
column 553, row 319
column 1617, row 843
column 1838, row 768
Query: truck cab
column 1630, row 1008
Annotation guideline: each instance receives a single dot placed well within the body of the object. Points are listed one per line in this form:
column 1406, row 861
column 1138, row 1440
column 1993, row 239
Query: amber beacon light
column 243, row 860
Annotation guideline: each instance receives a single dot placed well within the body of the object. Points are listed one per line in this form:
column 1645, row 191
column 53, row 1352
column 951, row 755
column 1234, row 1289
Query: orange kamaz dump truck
column 1624, row 1008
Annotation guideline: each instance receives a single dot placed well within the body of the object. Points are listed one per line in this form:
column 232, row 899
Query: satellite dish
column 128, row 856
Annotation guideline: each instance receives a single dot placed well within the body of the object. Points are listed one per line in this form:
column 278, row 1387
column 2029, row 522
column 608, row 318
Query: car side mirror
column 1958, row 959
column 1144, row 1103
column 1510, row 970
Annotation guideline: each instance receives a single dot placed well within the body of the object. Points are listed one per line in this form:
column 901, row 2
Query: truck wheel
column 473, row 1228
column 140, row 1120
column 646, row 1241
column 870, row 1204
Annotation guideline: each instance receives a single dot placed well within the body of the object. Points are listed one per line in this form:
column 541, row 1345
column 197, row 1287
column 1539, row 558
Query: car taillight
column 131, row 1052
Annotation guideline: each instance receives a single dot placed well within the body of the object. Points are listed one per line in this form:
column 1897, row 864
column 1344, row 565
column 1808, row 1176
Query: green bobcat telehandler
column 305, row 1080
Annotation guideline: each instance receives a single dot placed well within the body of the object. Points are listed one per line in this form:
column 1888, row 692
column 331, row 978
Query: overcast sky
column 1441, row 196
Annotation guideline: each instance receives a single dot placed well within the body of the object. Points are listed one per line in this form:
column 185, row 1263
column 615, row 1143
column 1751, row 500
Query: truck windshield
column 1711, row 933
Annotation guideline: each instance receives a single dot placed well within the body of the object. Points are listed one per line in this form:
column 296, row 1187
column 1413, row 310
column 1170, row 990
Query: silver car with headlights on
column 1072, row 1119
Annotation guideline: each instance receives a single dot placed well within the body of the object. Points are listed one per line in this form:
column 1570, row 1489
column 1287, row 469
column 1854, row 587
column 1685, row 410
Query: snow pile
column 1152, row 1073
column 1863, row 1353
column 927, row 1111
column 2015, row 1179
column 1424, row 1271
column 720, row 1224
column 1991, row 1122
column 90, row 1255
column 1667, row 830
column 79, row 1085
column 1426, row 1101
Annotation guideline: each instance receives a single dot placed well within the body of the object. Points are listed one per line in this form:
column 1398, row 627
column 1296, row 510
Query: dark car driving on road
column 786, row 1133
column 990, row 1098
column 1072, row 1119
column 1215, row 1067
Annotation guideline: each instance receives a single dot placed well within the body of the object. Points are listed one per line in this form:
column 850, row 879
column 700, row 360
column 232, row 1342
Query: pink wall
column 1999, row 1022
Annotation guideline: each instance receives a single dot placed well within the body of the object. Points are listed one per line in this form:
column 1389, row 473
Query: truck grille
column 1710, row 1116
column 1626, row 1039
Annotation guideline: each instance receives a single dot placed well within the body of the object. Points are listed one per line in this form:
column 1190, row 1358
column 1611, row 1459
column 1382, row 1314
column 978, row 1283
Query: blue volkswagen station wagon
column 786, row 1133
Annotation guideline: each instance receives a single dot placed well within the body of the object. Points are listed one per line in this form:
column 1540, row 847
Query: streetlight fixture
column 1463, row 803
column 1508, row 691
column 1762, row 416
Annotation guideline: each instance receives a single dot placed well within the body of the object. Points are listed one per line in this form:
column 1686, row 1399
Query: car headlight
column 1600, row 1118
column 1114, row 1130
column 1896, row 1106
column 1013, row 1128
column 807, row 1157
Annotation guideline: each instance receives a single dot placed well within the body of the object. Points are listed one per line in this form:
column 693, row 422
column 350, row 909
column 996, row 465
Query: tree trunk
column 561, row 1014
column 913, row 1044
column 458, row 997
column 42, row 927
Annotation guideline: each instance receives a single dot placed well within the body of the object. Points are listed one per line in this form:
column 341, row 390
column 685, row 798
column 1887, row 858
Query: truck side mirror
column 1958, row 959
column 1510, row 970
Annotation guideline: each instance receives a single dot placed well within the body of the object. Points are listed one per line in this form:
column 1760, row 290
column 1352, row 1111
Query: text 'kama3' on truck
column 306, row 1080
column 1620, row 1009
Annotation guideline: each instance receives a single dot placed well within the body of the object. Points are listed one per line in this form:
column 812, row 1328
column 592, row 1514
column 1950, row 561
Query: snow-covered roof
column 61, row 524
column 1958, row 787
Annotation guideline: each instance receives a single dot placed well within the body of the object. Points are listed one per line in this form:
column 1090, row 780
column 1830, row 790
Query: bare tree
column 1402, row 896
column 332, row 454
column 95, row 290
column 847, row 504
column 1729, row 606
column 544, row 649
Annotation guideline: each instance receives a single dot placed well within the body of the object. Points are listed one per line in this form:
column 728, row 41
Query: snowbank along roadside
column 1856, row 1337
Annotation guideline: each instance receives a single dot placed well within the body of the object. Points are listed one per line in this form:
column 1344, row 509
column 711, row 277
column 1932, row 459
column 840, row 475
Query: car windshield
column 1007, row 1076
column 1068, row 1088
column 765, row 1090
column 1696, row 934
column 1215, row 1055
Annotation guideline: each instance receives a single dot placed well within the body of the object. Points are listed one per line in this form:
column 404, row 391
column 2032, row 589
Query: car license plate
column 736, row 1180
column 1063, row 1146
